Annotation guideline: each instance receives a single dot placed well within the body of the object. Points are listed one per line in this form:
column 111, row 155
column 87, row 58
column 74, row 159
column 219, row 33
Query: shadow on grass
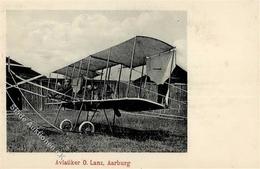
column 123, row 132
column 47, row 131
column 134, row 134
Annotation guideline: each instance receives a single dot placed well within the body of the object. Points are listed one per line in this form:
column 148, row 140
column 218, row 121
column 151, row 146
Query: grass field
column 132, row 133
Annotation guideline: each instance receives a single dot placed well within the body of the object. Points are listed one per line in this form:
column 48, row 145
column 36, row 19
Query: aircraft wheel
column 87, row 127
column 66, row 125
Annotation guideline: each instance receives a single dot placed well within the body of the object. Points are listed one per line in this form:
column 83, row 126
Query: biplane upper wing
column 131, row 53
column 119, row 54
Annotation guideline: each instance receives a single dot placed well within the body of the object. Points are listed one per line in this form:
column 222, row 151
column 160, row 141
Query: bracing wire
column 166, row 83
column 28, row 91
column 44, row 119
column 41, row 86
column 149, row 115
column 181, row 102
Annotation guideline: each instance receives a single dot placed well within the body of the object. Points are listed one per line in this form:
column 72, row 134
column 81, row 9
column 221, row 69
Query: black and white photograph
column 96, row 81
column 129, row 84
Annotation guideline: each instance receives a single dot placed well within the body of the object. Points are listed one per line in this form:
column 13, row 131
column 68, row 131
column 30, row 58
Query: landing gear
column 66, row 125
column 87, row 127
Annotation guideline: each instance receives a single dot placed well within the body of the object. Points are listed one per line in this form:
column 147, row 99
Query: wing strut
column 131, row 68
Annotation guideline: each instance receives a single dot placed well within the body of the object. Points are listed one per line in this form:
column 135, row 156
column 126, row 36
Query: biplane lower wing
column 126, row 104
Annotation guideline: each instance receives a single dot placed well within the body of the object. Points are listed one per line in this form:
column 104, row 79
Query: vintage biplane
column 104, row 80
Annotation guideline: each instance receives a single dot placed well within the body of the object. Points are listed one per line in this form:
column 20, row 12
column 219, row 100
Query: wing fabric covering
column 118, row 54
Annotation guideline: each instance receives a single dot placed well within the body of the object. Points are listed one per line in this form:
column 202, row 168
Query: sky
column 47, row 40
